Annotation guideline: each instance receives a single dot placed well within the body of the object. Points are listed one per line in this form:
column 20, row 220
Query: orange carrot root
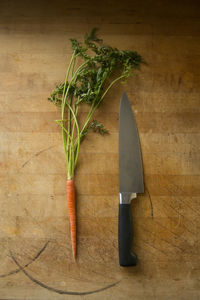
column 70, row 189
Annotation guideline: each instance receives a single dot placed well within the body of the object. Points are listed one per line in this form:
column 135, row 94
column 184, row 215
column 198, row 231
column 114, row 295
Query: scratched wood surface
column 35, row 250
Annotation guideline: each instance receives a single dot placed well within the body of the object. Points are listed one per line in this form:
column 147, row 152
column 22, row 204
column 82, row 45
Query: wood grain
column 35, row 251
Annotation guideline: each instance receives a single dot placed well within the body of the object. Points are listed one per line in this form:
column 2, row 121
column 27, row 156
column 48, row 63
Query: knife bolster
column 126, row 197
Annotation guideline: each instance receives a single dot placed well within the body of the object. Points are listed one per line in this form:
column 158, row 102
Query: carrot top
column 93, row 69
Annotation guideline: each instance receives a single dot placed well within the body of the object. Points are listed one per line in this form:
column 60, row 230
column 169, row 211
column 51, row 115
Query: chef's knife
column 130, row 179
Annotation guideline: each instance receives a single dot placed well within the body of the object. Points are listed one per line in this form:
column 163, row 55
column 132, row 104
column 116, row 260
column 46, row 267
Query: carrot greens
column 88, row 83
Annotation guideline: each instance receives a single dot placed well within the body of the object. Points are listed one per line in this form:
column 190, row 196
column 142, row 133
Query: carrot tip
column 74, row 256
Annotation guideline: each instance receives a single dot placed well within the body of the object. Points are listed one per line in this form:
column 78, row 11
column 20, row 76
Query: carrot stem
column 70, row 189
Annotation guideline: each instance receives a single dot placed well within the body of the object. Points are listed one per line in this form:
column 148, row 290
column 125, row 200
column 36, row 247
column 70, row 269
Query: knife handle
column 125, row 237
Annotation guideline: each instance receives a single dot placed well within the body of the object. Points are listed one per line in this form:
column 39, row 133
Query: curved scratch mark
column 151, row 203
column 57, row 290
column 36, row 154
column 26, row 265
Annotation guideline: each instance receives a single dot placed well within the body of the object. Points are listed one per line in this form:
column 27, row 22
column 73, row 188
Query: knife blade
column 130, row 179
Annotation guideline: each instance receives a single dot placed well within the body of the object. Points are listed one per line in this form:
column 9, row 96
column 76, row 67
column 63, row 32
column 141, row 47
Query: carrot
column 90, row 75
column 70, row 189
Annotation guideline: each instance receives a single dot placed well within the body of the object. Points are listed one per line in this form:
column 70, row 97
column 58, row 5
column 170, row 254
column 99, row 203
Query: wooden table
column 35, row 250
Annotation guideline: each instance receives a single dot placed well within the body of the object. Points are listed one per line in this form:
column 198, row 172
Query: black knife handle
column 125, row 237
